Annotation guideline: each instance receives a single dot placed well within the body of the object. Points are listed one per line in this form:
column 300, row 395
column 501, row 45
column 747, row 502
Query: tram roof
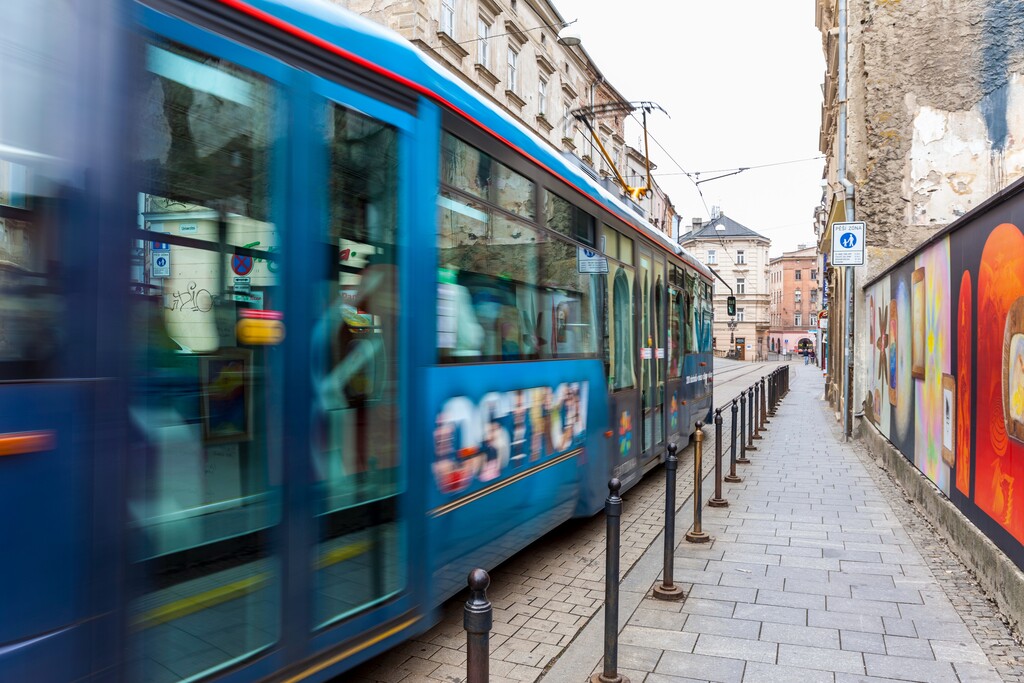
column 386, row 50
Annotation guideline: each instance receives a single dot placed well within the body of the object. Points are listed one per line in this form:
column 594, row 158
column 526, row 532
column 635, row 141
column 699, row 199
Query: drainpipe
column 848, row 187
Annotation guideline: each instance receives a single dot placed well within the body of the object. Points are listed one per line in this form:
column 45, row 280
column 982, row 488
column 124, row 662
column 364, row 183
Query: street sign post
column 848, row 244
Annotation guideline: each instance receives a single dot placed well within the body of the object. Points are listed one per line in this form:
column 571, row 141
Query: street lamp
column 570, row 35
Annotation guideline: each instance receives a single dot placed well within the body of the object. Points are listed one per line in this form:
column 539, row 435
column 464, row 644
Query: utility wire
column 535, row 28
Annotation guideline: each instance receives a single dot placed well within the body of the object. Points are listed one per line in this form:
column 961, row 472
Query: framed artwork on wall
column 949, row 419
column 225, row 382
column 917, row 307
column 1013, row 371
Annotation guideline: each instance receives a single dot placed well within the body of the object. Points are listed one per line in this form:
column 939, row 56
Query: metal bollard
column 743, row 460
column 772, row 391
column 732, row 477
column 476, row 618
column 717, row 501
column 613, row 513
column 751, row 419
column 667, row 590
column 764, row 405
column 756, row 412
column 696, row 534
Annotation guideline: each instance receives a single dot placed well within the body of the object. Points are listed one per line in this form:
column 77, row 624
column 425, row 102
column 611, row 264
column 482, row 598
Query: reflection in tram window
column 359, row 560
column 204, row 408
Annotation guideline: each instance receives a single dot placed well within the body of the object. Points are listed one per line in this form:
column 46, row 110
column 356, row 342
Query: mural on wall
column 964, row 338
column 946, row 375
column 932, row 325
column 998, row 464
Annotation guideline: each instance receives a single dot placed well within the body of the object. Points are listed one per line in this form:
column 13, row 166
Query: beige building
column 922, row 120
column 740, row 257
column 509, row 51
column 795, row 300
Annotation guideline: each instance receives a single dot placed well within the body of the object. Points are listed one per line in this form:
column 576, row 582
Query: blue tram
column 295, row 329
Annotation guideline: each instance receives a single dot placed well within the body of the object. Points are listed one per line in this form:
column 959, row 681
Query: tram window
column 625, row 249
column 466, row 168
column 675, row 320
column 507, row 290
column 356, row 461
column 30, row 301
column 609, row 244
column 568, row 219
column 620, row 283
column 205, row 405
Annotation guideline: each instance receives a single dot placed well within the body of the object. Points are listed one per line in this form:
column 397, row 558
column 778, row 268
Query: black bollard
column 732, row 477
column 697, row 534
column 742, row 459
column 751, row 419
column 772, row 391
column 717, row 501
column 667, row 590
column 476, row 618
column 764, row 405
column 613, row 513
column 755, row 413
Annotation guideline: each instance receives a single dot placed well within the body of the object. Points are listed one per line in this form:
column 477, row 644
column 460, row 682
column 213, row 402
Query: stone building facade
column 509, row 51
column 934, row 125
column 740, row 257
column 795, row 300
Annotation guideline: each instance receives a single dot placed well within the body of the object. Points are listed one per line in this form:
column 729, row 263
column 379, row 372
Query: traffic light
column 730, row 305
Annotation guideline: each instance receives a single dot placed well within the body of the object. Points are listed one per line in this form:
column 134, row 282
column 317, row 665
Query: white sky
column 741, row 82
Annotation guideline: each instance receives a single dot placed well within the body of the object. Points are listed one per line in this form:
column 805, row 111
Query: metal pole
column 743, row 460
column 732, row 477
column 476, row 618
column 717, row 501
column 756, row 411
column 613, row 514
column 696, row 534
column 764, row 405
column 848, row 369
column 667, row 590
column 750, row 421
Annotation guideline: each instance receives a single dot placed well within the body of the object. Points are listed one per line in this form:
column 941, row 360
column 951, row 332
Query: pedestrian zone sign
column 847, row 244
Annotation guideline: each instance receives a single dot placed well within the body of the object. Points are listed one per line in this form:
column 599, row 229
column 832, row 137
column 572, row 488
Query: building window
column 542, row 96
column 483, row 46
column 741, row 285
column 797, row 296
column 798, row 273
column 513, row 70
column 814, row 296
column 797, row 319
column 739, row 315
column 566, row 121
column 712, row 257
column 448, row 17
column 814, row 275
column 741, row 257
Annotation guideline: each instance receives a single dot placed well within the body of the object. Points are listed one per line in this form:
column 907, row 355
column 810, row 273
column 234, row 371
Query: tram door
column 359, row 556
column 652, row 351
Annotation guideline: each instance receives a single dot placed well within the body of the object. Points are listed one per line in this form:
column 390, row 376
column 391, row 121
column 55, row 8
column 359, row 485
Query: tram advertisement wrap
column 506, row 432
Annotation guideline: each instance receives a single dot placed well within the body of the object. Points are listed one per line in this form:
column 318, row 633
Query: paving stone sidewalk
column 815, row 573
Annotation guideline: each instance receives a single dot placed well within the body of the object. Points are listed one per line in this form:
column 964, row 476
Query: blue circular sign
column 848, row 241
column 161, row 261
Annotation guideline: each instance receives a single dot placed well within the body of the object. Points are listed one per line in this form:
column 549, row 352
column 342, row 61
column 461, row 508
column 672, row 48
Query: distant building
column 740, row 257
column 795, row 295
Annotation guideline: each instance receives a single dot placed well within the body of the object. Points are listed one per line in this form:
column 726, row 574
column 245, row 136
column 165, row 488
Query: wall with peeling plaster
column 936, row 98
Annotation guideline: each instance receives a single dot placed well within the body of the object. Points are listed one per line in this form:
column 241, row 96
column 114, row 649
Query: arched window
column 622, row 307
